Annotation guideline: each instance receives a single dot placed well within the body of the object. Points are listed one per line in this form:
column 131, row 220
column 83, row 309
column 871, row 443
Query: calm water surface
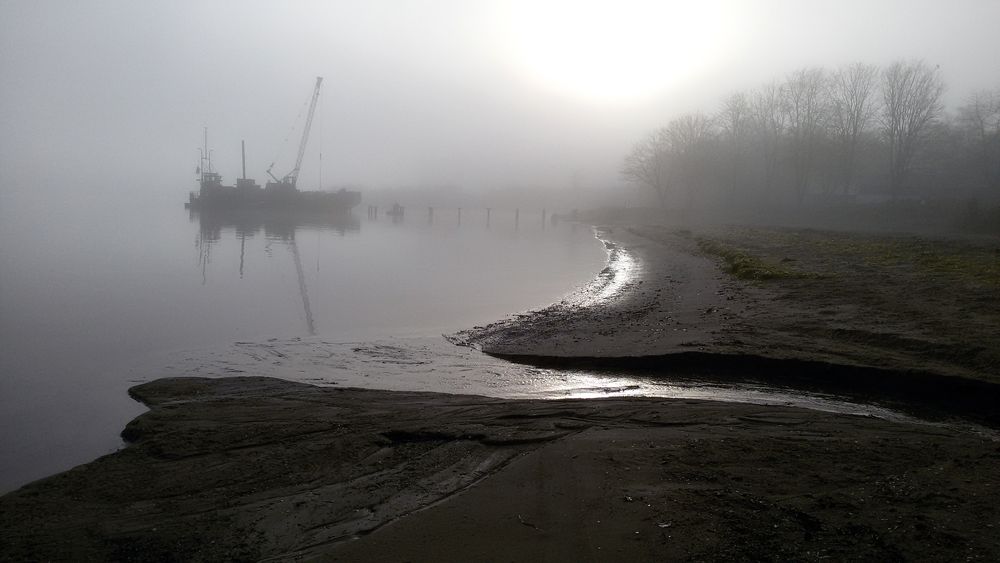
column 94, row 300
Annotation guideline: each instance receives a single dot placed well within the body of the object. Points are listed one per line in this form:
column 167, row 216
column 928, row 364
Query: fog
column 109, row 99
column 735, row 260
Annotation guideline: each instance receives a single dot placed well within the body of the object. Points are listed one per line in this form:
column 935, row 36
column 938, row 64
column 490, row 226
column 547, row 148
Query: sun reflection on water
column 611, row 282
column 433, row 364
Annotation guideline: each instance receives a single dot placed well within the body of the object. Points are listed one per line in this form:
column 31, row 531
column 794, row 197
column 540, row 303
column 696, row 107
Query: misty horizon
column 424, row 94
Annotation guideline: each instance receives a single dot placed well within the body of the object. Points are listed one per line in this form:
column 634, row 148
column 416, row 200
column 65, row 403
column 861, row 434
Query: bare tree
column 735, row 121
column 769, row 123
column 980, row 122
column 692, row 142
column 820, row 131
column 911, row 100
column 805, row 104
column 853, row 107
column 649, row 163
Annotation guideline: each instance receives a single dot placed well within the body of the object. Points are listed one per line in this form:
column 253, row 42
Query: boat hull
column 234, row 198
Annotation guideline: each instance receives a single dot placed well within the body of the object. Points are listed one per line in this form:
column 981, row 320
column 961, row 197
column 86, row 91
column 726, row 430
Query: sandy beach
column 891, row 302
column 907, row 321
column 265, row 469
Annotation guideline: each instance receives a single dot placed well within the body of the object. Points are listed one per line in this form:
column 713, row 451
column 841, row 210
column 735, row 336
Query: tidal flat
column 251, row 468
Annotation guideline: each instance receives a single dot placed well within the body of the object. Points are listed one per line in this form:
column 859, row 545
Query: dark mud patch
column 274, row 470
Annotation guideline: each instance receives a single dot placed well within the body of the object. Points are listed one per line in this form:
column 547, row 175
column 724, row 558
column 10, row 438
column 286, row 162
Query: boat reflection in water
column 277, row 224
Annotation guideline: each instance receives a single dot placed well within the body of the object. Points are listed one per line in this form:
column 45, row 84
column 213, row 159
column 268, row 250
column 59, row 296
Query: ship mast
column 208, row 155
column 204, row 155
column 206, row 160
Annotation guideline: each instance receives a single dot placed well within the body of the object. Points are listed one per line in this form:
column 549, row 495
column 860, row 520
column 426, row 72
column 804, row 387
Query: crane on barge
column 288, row 181
column 280, row 194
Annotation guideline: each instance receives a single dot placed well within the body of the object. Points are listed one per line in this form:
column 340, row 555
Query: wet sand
column 259, row 468
column 891, row 303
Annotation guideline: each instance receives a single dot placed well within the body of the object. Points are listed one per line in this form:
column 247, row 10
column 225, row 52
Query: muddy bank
column 256, row 468
column 893, row 304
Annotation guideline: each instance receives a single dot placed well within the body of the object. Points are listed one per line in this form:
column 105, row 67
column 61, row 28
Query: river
column 94, row 299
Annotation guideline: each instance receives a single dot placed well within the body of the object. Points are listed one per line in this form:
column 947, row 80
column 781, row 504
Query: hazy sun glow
column 614, row 51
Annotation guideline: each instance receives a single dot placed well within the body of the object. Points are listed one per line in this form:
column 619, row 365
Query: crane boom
column 293, row 176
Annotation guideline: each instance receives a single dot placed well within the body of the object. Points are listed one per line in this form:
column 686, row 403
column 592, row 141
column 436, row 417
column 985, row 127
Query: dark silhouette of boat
column 248, row 195
column 280, row 194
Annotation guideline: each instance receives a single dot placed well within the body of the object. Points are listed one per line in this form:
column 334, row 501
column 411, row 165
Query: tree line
column 822, row 135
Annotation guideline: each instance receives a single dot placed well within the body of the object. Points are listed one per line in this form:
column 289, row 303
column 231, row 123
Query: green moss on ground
column 745, row 266
column 962, row 263
column 756, row 254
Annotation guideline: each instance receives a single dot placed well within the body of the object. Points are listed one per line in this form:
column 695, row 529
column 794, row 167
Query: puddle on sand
column 433, row 364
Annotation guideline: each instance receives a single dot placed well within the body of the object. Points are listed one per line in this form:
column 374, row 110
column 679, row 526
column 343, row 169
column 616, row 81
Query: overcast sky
column 113, row 95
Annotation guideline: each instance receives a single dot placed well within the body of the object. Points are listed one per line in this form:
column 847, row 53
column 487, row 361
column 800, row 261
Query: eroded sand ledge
column 251, row 468
column 662, row 295
column 860, row 322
